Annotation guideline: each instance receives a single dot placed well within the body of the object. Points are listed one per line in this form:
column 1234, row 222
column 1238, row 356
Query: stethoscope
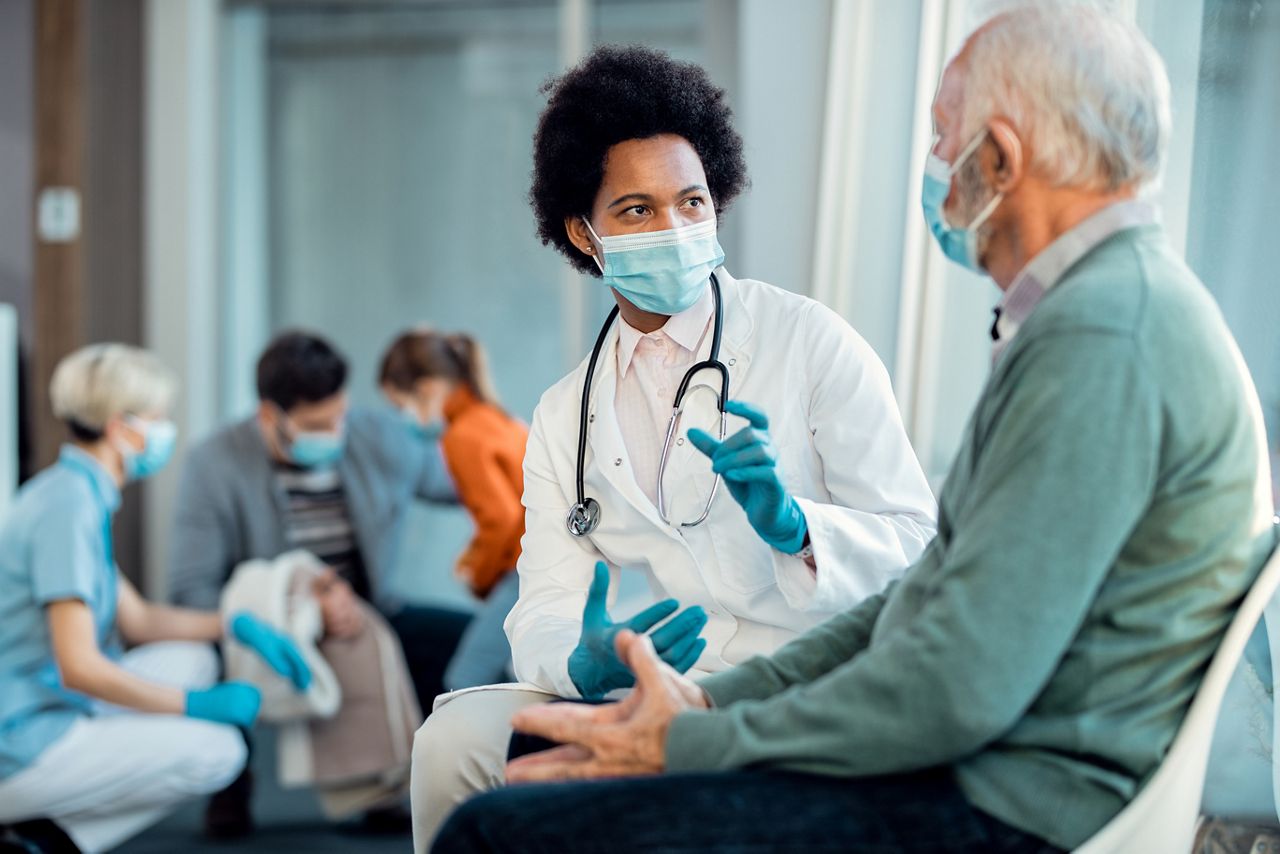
column 584, row 516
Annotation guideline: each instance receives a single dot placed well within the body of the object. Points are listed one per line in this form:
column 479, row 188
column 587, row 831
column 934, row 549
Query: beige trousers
column 461, row 751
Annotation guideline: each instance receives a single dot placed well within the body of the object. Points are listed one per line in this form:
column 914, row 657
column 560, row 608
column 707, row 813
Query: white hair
column 98, row 382
column 1084, row 89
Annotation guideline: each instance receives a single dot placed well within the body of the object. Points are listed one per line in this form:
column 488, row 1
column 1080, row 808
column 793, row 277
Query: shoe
column 384, row 821
column 227, row 816
column 36, row 836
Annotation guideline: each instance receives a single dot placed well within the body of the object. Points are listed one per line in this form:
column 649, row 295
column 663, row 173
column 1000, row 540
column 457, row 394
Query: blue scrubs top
column 54, row 544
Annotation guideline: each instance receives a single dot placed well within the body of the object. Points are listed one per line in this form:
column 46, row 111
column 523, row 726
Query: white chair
column 1162, row 819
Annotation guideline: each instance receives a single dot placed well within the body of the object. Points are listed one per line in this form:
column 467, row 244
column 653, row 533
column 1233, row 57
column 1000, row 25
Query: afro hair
column 619, row 93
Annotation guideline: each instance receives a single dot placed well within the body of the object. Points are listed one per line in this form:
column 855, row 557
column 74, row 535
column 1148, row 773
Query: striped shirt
column 317, row 519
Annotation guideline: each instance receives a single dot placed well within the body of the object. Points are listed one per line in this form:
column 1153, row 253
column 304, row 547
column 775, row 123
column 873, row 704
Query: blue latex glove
column 749, row 465
column 234, row 703
column 594, row 665
column 279, row 652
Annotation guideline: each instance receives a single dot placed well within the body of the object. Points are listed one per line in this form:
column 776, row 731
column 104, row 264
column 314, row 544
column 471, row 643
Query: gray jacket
column 230, row 508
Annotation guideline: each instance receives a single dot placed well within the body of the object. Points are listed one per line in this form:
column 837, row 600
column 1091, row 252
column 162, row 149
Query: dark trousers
column 429, row 637
column 738, row 811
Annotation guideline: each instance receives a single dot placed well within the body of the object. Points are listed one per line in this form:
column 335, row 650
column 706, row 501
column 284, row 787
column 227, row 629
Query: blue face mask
column 316, row 450
column 661, row 272
column 429, row 432
column 311, row 449
column 159, row 439
column 958, row 244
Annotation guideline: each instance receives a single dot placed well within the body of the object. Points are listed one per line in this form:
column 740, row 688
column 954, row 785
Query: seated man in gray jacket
column 309, row 472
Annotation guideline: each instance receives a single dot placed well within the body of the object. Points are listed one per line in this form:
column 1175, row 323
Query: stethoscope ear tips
column 583, row 518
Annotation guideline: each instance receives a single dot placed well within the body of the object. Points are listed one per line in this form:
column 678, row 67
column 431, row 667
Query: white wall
column 180, row 263
column 779, row 94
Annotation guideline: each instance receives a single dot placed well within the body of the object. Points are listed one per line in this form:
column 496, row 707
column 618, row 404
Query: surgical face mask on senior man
column 662, row 272
column 159, row 439
column 958, row 244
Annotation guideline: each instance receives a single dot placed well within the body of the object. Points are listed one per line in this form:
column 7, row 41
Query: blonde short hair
column 98, row 382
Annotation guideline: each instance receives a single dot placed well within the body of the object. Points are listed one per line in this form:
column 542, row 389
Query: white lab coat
column 843, row 454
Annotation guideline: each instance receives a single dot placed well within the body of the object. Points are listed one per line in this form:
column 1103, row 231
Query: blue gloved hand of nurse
column 594, row 665
column 234, row 703
column 276, row 648
column 749, row 465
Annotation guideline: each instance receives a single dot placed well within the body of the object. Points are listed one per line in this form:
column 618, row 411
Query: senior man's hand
column 625, row 739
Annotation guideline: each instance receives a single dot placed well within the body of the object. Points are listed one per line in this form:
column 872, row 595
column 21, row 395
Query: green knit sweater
column 1094, row 539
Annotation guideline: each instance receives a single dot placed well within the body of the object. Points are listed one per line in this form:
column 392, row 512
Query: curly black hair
column 622, row 92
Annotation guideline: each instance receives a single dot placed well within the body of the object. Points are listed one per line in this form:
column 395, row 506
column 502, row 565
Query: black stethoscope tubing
column 585, row 515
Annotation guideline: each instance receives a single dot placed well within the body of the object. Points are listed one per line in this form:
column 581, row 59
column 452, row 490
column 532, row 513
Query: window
column 1235, row 186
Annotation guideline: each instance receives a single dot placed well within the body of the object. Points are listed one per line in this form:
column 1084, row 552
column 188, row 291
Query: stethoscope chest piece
column 584, row 517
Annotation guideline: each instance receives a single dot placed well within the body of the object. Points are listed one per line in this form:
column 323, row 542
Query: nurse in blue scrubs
column 97, row 743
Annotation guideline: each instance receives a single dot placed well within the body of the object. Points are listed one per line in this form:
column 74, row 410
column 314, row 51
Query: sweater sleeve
column 1066, row 467
column 804, row 659
column 201, row 553
column 491, row 499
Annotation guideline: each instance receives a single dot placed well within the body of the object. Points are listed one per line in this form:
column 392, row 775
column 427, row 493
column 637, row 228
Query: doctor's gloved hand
column 279, row 651
column 234, row 703
column 749, row 465
column 594, row 665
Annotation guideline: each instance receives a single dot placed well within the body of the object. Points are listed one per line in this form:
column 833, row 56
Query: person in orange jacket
column 441, row 382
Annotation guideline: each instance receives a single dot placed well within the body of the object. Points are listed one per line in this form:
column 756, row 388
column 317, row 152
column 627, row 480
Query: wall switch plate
column 58, row 214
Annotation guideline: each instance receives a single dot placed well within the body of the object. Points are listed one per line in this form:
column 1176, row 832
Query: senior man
column 1026, row 676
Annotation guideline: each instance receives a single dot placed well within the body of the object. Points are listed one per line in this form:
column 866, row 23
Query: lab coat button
column 679, row 441
column 733, row 362
column 617, row 461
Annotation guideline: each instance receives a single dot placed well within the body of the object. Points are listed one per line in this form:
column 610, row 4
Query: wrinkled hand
column 749, row 465
column 234, row 703
column 274, row 647
column 339, row 607
column 594, row 665
column 625, row 739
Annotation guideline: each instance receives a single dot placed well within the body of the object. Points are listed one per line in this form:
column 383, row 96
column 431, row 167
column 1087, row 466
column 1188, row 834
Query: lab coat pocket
column 745, row 560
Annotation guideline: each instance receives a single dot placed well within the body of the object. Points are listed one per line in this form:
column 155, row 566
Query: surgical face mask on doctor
column 661, row 272
column 159, row 439
column 958, row 244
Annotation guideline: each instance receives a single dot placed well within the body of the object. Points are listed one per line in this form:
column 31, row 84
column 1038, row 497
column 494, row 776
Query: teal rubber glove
column 234, row 703
column 279, row 652
column 749, row 465
column 594, row 665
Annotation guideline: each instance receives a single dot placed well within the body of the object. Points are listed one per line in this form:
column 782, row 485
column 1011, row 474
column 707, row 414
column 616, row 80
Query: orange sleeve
column 493, row 502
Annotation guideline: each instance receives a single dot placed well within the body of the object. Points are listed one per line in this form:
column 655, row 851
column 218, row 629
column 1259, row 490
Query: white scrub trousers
column 114, row 774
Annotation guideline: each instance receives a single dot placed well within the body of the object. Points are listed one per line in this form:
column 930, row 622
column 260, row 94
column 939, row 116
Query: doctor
column 805, row 501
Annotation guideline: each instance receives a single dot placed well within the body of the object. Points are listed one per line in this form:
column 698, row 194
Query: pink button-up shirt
column 650, row 367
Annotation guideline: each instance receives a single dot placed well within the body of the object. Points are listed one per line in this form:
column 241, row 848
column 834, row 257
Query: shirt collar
column 685, row 329
column 103, row 483
column 1047, row 269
